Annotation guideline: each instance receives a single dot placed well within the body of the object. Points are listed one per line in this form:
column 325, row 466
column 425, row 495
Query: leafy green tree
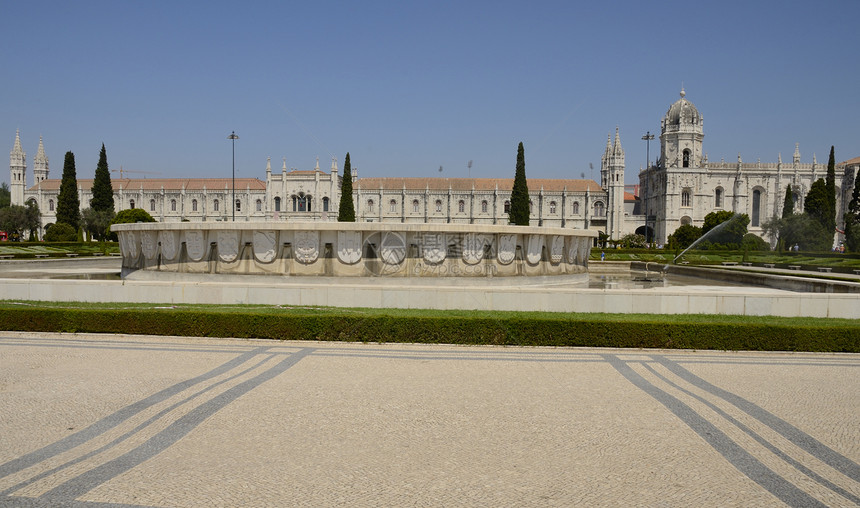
column 5, row 195
column 684, row 236
column 519, row 213
column 68, row 203
column 633, row 241
column 817, row 206
column 852, row 218
column 346, row 209
column 61, row 232
column 805, row 231
column 788, row 203
column 729, row 236
column 19, row 221
column 95, row 223
column 129, row 216
column 102, row 189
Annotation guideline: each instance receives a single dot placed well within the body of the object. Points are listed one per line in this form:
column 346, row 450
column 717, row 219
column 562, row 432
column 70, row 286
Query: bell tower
column 681, row 134
column 612, row 180
column 40, row 164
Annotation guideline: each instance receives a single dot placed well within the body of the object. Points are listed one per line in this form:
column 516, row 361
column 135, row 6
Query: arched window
column 301, row 203
column 415, row 206
column 686, row 160
column 507, row 206
column 686, row 220
column 152, row 205
column 369, row 205
column 131, row 203
column 259, row 205
column 576, row 207
column 325, row 204
column 599, row 209
column 438, row 205
column 214, row 205
column 552, row 207
column 193, row 205
column 238, row 205
column 50, row 205
column 756, row 208
column 172, row 205
column 718, row 197
column 686, row 200
column 461, row 206
column 277, row 204
column 392, row 206
column 484, row 206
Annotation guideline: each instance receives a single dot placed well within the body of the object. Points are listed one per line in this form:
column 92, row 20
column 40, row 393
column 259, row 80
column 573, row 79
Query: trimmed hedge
column 514, row 331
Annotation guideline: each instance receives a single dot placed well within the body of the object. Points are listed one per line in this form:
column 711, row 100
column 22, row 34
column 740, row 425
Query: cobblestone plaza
column 91, row 421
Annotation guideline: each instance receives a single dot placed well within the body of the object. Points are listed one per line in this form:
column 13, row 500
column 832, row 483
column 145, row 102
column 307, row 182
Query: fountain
column 716, row 229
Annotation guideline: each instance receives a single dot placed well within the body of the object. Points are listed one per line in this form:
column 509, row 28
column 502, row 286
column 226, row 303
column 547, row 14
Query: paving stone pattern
column 111, row 421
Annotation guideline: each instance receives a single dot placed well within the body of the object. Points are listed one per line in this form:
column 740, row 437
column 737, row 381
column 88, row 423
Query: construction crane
column 124, row 171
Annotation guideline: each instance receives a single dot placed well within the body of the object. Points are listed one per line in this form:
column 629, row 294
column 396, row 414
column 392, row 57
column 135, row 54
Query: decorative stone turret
column 40, row 164
column 612, row 176
column 17, row 171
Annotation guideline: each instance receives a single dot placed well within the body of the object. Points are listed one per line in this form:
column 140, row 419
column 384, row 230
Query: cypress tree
column 831, row 191
column 788, row 204
column 346, row 210
column 68, row 203
column 519, row 214
column 102, row 189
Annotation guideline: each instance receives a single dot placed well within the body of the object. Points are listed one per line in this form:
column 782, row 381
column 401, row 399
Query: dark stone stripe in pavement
column 82, row 484
column 759, row 439
column 34, row 502
column 801, row 439
column 130, row 433
column 111, row 421
column 787, row 492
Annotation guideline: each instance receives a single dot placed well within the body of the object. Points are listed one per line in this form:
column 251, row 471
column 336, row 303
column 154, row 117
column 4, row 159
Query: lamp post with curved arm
column 233, row 137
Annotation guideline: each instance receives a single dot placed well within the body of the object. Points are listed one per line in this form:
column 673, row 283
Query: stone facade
column 681, row 187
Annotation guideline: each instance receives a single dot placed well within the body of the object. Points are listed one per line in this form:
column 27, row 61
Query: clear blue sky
column 406, row 87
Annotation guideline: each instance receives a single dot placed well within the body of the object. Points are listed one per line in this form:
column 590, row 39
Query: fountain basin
column 341, row 249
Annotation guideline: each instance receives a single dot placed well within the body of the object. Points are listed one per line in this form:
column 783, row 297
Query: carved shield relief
column 149, row 243
column 507, row 248
column 307, row 246
column 349, row 247
column 556, row 251
column 535, row 247
column 393, row 249
column 473, row 248
column 264, row 246
column 195, row 245
column 433, row 248
column 228, row 246
column 130, row 241
column 572, row 250
column 169, row 244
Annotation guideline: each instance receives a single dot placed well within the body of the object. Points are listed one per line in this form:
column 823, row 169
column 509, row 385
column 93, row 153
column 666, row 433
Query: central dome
column 683, row 111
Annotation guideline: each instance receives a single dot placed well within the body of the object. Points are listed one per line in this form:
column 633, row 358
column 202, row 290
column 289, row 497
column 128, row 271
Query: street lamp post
column 233, row 137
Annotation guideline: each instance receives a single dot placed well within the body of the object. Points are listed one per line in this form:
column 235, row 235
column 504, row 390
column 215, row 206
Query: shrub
column 754, row 242
column 129, row 216
column 61, row 232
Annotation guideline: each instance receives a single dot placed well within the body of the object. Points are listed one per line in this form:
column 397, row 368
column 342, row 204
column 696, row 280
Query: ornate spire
column 284, row 168
column 334, row 164
column 268, row 164
column 40, row 153
column 617, row 150
column 608, row 150
column 796, row 159
column 317, row 167
column 17, row 155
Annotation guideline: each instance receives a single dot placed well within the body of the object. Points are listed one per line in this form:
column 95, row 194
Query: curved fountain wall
column 353, row 249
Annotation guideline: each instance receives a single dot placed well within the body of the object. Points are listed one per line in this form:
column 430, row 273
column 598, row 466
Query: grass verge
column 765, row 333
